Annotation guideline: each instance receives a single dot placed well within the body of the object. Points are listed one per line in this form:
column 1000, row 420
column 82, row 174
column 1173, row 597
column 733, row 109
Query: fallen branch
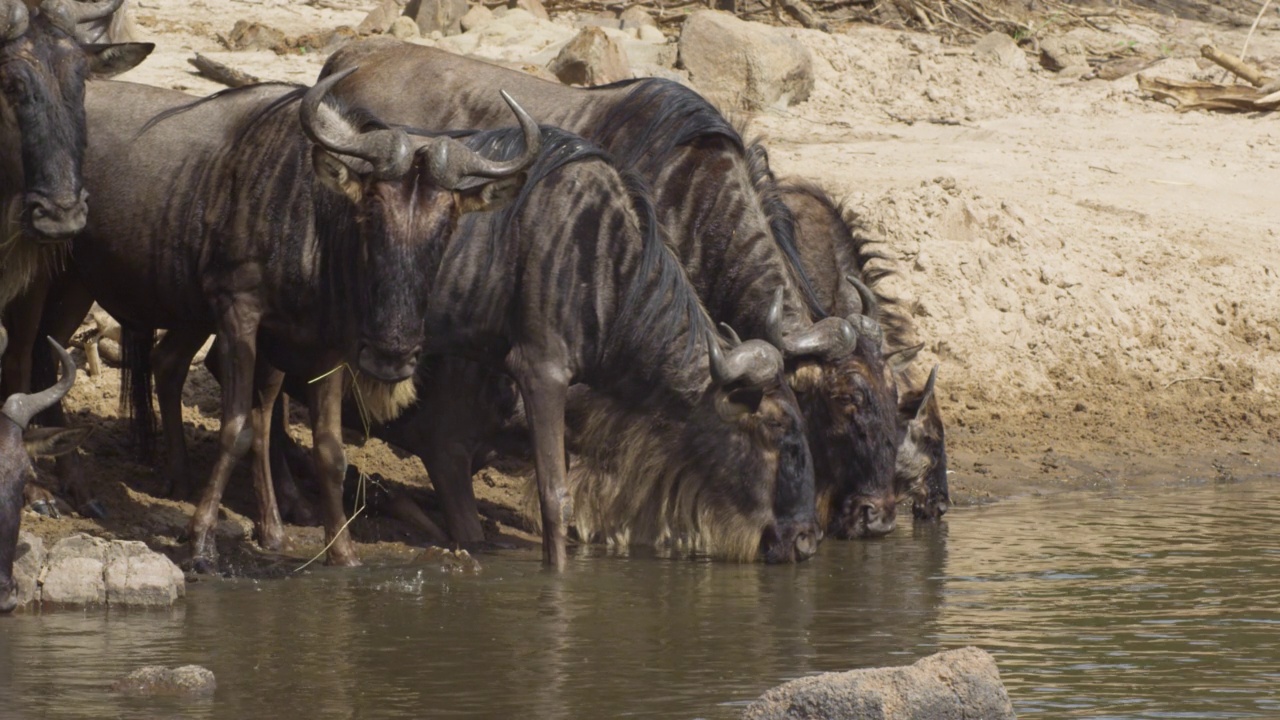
column 1198, row 378
column 1245, row 71
column 1210, row 96
column 220, row 73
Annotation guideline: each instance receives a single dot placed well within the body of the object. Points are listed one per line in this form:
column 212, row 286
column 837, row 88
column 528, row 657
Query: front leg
column 331, row 466
column 270, row 528
column 544, row 387
column 170, row 361
column 237, row 338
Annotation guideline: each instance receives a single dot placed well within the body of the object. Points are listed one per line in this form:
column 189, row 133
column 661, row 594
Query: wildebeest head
column 751, row 394
column 408, row 194
column 922, row 453
column 850, row 400
column 15, row 464
column 42, row 74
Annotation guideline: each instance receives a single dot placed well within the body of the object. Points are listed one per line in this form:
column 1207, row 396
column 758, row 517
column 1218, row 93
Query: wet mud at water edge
column 1158, row 603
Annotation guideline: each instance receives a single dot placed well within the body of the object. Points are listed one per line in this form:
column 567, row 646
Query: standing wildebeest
column 832, row 253
column 297, row 244
column 681, row 438
column 42, row 131
column 15, row 465
column 737, row 252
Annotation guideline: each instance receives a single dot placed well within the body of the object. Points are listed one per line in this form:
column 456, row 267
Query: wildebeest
column 42, row 131
column 296, row 243
column 15, row 464
column 681, row 437
column 833, row 252
column 737, row 252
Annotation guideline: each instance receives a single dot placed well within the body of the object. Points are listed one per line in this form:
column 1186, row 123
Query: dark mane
column 781, row 221
column 288, row 97
column 645, row 304
column 894, row 319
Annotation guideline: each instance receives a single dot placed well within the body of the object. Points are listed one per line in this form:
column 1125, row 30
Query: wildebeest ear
column 52, row 442
column 927, row 403
column 336, row 175
column 901, row 358
column 110, row 60
column 491, row 195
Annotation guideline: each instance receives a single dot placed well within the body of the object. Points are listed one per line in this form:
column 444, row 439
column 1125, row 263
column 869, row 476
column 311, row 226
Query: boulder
column 744, row 65
column 1063, row 54
column 591, row 58
column 74, row 574
column 476, row 17
column 443, row 16
column 26, row 567
column 1000, row 49
column 533, row 7
column 950, row 685
column 380, row 18
column 136, row 575
column 155, row 680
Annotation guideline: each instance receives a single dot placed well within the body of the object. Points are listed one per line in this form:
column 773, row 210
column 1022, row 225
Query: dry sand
column 1095, row 272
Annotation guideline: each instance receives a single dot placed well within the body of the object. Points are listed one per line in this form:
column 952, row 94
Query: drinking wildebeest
column 682, row 438
column 833, row 253
column 297, row 243
column 737, row 255
column 15, row 463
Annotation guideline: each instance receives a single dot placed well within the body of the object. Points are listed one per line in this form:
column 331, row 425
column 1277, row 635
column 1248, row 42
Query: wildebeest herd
column 614, row 286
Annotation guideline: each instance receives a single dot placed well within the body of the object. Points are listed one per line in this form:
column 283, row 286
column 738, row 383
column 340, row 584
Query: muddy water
column 1160, row 605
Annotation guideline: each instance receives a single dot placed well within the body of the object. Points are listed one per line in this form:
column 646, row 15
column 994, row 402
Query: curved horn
column 13, row 19
column 830, row 338
column 453, row 164
column 86, row 11
column 754, row 362
column 870, row 305
column 21, row 408
column 389, row 151
column 4, row 340
column 724, row 328
column 720, row 373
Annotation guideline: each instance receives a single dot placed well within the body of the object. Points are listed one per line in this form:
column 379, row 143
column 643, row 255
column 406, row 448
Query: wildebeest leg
column 453, row 391
column 293, row 506
column 448, row 464
column 22, row 318
column 170, row 361
column 270, row 529
column 237, row 330
column 331, row 465
column 545, row 389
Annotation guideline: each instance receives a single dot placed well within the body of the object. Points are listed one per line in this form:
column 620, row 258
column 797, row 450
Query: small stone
column 380, row 18
column 651, row 34
column 156, row 680
column 636, row 16
column 404, row 28
column 602, row 19
column 444, row 16
column 476, row 17
column 999, row 48
column 1060, row 53
column 533, row 7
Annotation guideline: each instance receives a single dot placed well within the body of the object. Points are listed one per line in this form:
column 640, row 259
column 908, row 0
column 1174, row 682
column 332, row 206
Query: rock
column 739, row 64
column 591, row 58
column 650, row 34
column 380, row 18
column 1060, row 53
column 74, row 573
column 450, row 561
column 636, row 17
column 1001, row 49
column 476, row 17
column 444, row 16
column 950, row 685
column 26, row 567
column 603, row 19
column 155, row 680
column 515, row 36
column 254, row 36
column 404, row 28
column 533, row 7
column 136, row 575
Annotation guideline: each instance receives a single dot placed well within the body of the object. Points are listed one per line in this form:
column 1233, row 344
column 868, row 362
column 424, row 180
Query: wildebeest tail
column 135, row 387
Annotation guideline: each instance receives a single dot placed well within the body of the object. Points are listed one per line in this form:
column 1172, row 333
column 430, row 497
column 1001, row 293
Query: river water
column 1159, row 605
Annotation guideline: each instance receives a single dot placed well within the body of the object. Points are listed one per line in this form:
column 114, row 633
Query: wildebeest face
column 42, row 76
column 922, row 455
column 403, row 225
column 851, row 410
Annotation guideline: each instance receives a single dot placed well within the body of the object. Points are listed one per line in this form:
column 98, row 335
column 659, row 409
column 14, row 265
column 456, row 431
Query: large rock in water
column 26, row 567
column 590, row 58
column 85, row 570
column 746, row 65
column 951, row 685
column 156, row 680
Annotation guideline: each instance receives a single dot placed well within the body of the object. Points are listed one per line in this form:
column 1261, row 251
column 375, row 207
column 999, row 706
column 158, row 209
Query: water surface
column 1159, row 605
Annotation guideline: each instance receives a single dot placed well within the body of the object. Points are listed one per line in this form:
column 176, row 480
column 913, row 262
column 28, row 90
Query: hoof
column 45, row 508
column 204, row 566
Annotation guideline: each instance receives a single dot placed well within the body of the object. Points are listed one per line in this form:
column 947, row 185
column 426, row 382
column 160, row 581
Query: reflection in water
column 1098, row 607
